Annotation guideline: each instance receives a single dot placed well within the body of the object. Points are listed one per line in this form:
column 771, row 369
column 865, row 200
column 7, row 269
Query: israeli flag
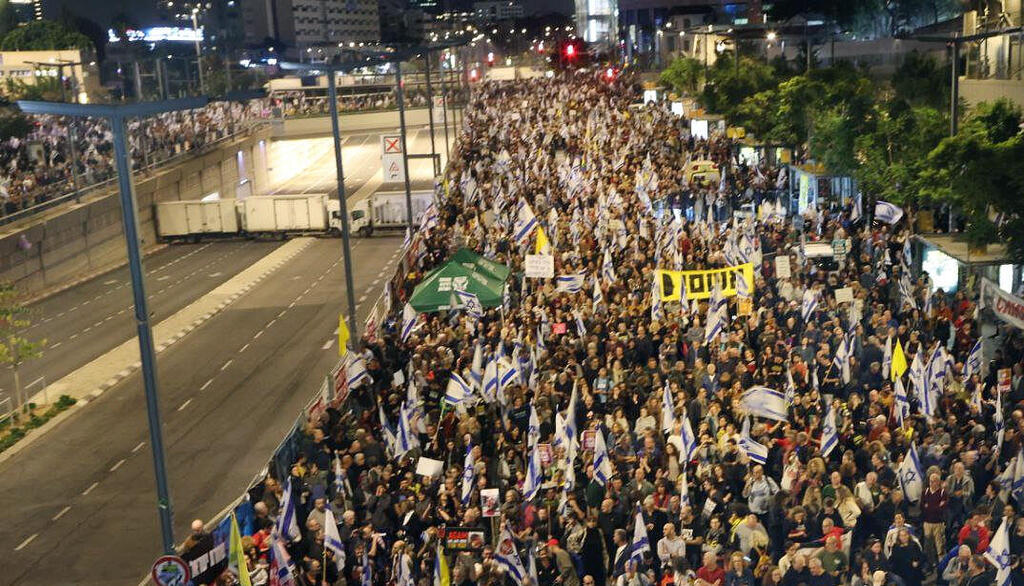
column 540, row 339
column 569, row 283
column 973, row 364
column 1017, row 483
column 608, row 267
column 571, row 430
column 405, row 439
column 668, row 418
column 366, row 573
column 640, row 544
column 841, row 360
column 911, row 475
column 469, row 303
column 756, row 451
column 998, row 554
column 525, row 222
column 689, row 440
column 386, row 430
column 901, row 404
column 533, row 428
column 602, row 465
column 765, row 402
column 581, row 327
column 657, row 313
column 742, row 288
column 507, row 556
column 829, row 433
column 887, row 358
column 287, row 525
column 332, row 539
column 907, row 291
column 598, row 296
column 339, row 478
column 490, row 388
column 534, row 476
column 887, row 212
column 458, row 390
column 476, row 371
column 468, row 475
column 356, row 370
column 281, row 564
column 508, row 376
column 809, row 305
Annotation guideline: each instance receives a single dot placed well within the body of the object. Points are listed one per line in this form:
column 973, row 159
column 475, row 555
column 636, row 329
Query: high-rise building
column 312, row 26
column 497, row 10
column 597, row 21
column 27, row 10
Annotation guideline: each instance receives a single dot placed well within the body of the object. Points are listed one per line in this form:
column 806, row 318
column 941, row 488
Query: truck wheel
column 364, row 232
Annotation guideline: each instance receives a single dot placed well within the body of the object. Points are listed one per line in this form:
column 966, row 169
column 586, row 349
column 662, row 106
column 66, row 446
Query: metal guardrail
column 83, row 191
column 6, row 409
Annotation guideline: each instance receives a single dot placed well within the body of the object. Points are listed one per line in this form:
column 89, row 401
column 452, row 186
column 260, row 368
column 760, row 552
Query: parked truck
column 281, row 215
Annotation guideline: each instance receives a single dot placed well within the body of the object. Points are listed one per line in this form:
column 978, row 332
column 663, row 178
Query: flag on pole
column 287, row 526
column 829, row 433
column 237, row 557
column 442, row 576
column 332, row 539
column 887, row 358
column 684, row 490
column 809, row 304
column 458, row 390
column 688, row 439
column 468, row 302
column 998, row 554
column 911, row 475
column 507, row 556
column 355, row 368
column 598, row 295
column 533, row 427
column 281, row 567
column 409, row 321
column 339, row 478
column 756, row 451
column 525, row 222
column 765, row 402
column 973, row 364
column 405, row 438
column 343, row 335
column 901, row 404
column 602, row 465
column 534, row 476
column 640, row 544
column 543, row 245
column 569, row 283
column 468, row 475
column 887, row 212
column 366, row 571
column 608, row 267
column 668, row 418
column 490, row 388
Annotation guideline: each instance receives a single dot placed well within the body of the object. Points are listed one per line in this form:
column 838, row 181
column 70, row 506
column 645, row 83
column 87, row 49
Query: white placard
column 398, row 378
column 540, row 266
column 782, row 269
column 490, row 502
column 391, row 158
column 429, row 467
column 844, row 295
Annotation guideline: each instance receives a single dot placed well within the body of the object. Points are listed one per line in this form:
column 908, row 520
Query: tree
column 15, row 349
column 13, row 124
column 684, row 75
column 44, row 35
column 729, row 83
column 919, row 80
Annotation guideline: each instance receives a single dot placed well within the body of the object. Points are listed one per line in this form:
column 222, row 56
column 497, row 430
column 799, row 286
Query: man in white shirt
column 671, row 547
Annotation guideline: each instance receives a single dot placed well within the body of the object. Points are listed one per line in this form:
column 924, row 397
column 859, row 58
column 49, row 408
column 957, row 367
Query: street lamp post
column 430, row 109
column 199, row 57
column 116, row 115
column 405, row 146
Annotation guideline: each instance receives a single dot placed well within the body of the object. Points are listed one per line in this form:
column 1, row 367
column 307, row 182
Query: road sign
column 391, row 158
column 171, row 570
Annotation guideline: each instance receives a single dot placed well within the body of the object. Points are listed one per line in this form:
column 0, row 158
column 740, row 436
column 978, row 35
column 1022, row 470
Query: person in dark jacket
column 907, row 559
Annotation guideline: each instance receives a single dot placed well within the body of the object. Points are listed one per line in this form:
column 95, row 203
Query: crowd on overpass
column 821, row 423
column 43, row 165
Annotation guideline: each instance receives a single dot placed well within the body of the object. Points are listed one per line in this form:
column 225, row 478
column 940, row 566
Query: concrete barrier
column 61, row 245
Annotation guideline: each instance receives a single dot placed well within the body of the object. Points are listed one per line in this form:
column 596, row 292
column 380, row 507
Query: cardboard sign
column 429, row 467
column 1003, row 380
column 463, row 539
column 490, row 502
column 745, row 306
column 589, row 437
column 782, row 268
column 544, row 451
column 844, row 295
column 539, row 266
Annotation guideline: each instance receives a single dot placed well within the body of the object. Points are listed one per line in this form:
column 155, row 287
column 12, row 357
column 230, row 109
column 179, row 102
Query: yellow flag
column 441, row 575
column 899, row 362
column 237, row 556
column 543, row 244
column 343, row 336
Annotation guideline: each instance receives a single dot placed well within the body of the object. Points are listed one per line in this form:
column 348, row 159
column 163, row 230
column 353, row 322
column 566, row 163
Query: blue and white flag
column 908, row 255
column 907, row 291
column 490, row 388
column 809, row 305
column 339, row 479
column 332, row 539
column 469, row 303
column 533, row 427
column 657, row 313
column 668, row 407
column 281, row 564
column 688, row 439
column 581, row 326
column 598, row 296
column 974, row 365
column 287, row 525
column 525, row 223
column 911, row 475
column 366, row 569
column 1017, row 482
column 742, row 288
column 887, row 358
column 571, row 429
column 756, row 451
column 829, row 433
column 507, row 556
column 468, row 475
column 901, row 404
column 841, row 359
column 640, row 544
column 716, row 316
column 458, row 390
column 405, row 437
column 765, row 402
column 569, row 283
column 356, row 370
column 858, row 208
column 476, row 369
column 998, row 554
column 684, row 490
column 508, row 375
column 602, row 465
column 386, row 430
column 534, row 476
column 540, row 338
column 408, row 238
column 608, row 267
column 887, row 212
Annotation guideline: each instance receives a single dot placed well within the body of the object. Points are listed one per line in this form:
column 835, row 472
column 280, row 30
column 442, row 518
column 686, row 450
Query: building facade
column 81, row 76
column 498, row 10
column 993, row 64
column 312, row 28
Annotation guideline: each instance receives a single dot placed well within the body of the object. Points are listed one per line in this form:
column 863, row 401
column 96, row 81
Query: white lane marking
column 113, row 281
column 138, row 447
column 61, row 513
column 327, row 345
column 116, row 466
column 57, row 344
column 26, row 542
column 185, row 404
column 281, row 313
column 206, row 384
column 215, row 275
column 163, row 278
column 258, row 334
column 225, row 365
column 271, row 322
column 73, row 336
column 243, row 348
column 91, row 487
column 362, row 299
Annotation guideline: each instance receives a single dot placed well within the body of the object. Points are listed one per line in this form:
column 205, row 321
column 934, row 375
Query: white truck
column 280, row 215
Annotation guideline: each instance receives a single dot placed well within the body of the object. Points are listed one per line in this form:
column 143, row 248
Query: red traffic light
column 609, row 74
column 570, row 50
column 472, row 74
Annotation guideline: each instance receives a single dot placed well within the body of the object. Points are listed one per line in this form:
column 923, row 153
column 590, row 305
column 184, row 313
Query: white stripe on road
column 185, row 404
column 116, row 466
column 61, row 513
column 226, row 364
column 206, row 384
column 138, row 447
column 243, row 348
column 327, row 345
column 88, row 490
column 26, row 542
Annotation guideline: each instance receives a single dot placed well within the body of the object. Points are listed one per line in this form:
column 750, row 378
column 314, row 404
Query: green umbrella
column 480, row 264
column 435, row 292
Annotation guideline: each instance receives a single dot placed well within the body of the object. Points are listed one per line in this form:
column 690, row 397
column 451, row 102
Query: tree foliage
column 683, row 75
column 15, row 348
column 44, row 35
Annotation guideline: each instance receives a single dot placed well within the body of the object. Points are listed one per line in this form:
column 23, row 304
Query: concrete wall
column 321, row 125
column 976, row 91
column 83, row 239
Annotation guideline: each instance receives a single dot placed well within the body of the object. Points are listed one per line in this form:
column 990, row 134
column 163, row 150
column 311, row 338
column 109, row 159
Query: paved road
column 79, row 504
column 85, row 321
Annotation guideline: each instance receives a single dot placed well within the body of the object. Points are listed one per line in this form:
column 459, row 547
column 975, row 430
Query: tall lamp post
column 116, row 116
column 332, row 70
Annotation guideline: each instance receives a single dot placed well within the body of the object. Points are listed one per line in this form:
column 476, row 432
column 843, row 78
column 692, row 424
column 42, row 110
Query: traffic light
column 570, row 51
column 490, row 59
column 609, row 74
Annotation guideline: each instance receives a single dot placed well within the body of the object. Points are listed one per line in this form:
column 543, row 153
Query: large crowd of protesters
column 643, row 405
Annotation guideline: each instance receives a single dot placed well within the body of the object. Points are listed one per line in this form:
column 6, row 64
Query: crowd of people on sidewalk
column 829, row 421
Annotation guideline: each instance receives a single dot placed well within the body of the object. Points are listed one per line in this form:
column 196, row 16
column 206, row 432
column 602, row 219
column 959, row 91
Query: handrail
column 83, row 190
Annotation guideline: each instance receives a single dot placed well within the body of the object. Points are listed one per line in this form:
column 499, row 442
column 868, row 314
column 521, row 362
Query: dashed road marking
column 327, row 345
column 163, row 278
column 225, row 365
column 243, row 348
column 57, row 344
column 26, row 542
column 185, row 404
column 61, row 513
column 258, row 334
column 206, row 384
column 138, row 447
column 116, row 466
column 90, row 489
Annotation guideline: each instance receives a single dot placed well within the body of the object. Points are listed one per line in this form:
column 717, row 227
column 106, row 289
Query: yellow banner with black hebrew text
column 699, row 284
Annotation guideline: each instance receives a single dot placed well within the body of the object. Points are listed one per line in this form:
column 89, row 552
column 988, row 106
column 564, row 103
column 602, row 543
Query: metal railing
column 85, row 190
